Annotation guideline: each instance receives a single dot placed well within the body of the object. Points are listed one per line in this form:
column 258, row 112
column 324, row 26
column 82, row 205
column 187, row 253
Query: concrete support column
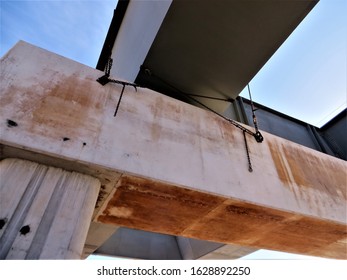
column 45, row 212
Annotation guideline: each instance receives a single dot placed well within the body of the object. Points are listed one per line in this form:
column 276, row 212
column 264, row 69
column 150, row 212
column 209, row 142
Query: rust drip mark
column 281, row 168
column 156, row 206
column 156, row 110
column 299, row 167
column 312, row 171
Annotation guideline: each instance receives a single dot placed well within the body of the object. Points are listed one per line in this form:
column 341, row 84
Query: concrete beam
column 184, row 170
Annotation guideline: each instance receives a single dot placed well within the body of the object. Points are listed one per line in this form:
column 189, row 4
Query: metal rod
column 119, row 100
column 253, row 110
column 250, row 168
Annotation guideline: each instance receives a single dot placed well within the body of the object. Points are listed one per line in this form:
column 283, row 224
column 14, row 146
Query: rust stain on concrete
column 237, row 222
column 308, row 236
column 297, row 166
column 227, row 129
column 310, row 171
column 68, row 107
column 165, row 113
column 160, row 207
column 277, row 157
column 157, row 206
column 166, row 109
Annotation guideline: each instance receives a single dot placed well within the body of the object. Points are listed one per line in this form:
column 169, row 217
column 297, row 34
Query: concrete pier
column 45, row 212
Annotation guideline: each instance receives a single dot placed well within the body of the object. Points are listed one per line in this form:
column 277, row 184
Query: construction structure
column 125, row 161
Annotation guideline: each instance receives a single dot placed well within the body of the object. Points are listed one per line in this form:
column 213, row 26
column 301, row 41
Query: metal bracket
column 103, row 80
column 258, row 137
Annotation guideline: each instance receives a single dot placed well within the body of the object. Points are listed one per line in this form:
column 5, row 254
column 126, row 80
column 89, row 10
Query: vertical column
column 45, row 212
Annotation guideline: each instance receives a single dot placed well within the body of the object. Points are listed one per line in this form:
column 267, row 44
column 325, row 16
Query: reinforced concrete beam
column 171, row 167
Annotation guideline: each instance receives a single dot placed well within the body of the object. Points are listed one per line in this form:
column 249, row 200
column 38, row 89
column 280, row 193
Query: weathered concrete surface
column 155, row 206
column 184, row 169
column 45, row 212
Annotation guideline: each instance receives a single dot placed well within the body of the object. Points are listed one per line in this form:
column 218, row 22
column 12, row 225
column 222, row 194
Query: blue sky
column 305, row 78
column 74, row 29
